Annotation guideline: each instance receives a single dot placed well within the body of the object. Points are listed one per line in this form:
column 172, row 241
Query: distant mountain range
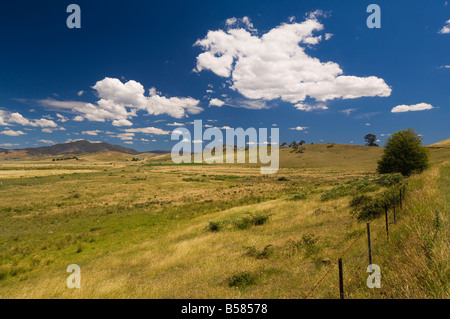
column 79, row 147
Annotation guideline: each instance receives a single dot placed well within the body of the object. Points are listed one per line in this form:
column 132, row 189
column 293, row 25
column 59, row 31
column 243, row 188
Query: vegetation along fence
column 391, row 204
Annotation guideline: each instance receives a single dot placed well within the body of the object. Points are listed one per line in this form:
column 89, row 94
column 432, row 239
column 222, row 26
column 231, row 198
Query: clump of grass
column 243, row 223
column 265, row 253
column 309, row 242
column 242, row 280
column 215, row 226
column 283, row 179
column 259, row 219
column 3, row 273
column 194, row 179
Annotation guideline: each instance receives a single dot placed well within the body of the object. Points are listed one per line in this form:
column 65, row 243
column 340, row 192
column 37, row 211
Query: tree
column 302, row 142
column 370, row 140
column 293, row 144
column 404, row 154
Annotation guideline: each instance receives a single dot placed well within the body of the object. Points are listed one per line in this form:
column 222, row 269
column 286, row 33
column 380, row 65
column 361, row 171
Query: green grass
column 217, row 231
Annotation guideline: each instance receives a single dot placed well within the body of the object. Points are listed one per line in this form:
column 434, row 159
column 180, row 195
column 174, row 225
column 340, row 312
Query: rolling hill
column 441, row 144
column 79, row 147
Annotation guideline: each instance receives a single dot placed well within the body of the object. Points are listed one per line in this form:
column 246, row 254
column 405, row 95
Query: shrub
column 370, row 210
column 390, row 179
column 242, row 280
column 360, row 200
column 259, row 219
column 367, row 208
column 283, row 179
column 243, row 223
column 215, row 226
column 404, row 154
column 260, row 254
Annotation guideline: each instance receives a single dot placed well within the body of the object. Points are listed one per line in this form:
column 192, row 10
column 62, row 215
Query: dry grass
column 142, row 231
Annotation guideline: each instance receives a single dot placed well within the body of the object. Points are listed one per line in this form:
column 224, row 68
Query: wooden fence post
column 341, row 280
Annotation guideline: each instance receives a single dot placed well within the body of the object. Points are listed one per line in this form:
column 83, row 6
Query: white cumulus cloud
column 309, row 108
column 9, row 118
column 275, row 65
column 92, row 133
column 446, row 28
column 12, row 133
column 119, row 103
column 299, row 128
column 148, row 130
column 46, row 142
column 216, row 102
column 408, row 108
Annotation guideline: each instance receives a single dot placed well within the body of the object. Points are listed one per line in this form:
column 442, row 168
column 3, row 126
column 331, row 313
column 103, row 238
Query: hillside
column 331, row 156
column 441, row 144
column 79, row 147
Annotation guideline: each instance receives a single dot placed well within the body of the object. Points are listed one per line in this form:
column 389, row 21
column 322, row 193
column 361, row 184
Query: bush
column 260, row 219
column 260, row 254
column 360, row 200
column 283, row 179
column 215, row 226
column 367, row 208
column 243, row 223
column 240, row 223
column 390, row 179
column 370, row 210
column 242, row 280
column 404, row 154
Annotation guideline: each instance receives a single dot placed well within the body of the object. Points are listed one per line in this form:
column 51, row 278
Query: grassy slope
column 139, row 231
column 415, row 262
column 444, row 143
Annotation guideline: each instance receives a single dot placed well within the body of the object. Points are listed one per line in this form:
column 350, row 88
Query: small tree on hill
column 370, row 140
column 404, row 154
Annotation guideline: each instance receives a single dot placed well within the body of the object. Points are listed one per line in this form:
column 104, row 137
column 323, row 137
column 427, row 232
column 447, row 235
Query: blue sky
column 135, row 70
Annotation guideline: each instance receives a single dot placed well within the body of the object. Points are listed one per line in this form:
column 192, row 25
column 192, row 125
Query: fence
column 397, row 202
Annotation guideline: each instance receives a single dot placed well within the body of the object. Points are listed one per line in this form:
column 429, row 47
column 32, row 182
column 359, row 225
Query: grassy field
column 150, row 229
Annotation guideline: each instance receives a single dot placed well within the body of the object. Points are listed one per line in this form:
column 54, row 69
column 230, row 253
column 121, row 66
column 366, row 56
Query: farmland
column 152, row 229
